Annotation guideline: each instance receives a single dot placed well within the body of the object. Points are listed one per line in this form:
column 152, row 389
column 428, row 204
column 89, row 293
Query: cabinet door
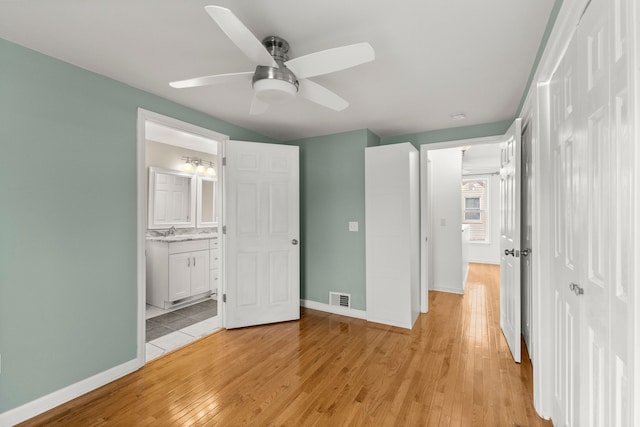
column 180, row 276
column 199, row 272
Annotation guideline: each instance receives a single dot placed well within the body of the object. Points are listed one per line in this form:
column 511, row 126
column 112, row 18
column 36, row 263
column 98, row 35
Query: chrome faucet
column 171, row 231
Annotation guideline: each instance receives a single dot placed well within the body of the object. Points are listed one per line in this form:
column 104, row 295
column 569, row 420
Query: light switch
column 353, row 225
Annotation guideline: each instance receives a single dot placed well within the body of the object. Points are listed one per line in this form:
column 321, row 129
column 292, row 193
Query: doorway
column 179, row 252
column 474, row 162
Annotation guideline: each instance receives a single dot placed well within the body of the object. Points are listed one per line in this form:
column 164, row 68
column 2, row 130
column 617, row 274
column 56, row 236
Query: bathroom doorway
column 179, row 252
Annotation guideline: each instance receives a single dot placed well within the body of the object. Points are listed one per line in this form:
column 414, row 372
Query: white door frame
column 141, row 203
column 424, row 196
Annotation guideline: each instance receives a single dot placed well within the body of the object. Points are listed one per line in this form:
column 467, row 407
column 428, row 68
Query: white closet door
column 608, row 203
column 566, row 235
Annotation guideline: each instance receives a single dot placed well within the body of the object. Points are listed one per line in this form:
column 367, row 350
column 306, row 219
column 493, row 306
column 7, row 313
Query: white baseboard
column 50, row 401
column 484, row 261
column 350, row 312
column 454, row 289
column 390, row 323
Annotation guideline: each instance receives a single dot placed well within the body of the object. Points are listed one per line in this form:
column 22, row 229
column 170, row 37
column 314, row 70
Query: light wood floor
column 452, row 369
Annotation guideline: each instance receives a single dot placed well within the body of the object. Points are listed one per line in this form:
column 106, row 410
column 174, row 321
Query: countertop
column 182, row 237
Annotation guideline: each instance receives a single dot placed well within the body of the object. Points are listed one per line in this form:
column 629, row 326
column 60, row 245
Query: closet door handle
column 509, row 252
column 188, row 262
column 194, row 261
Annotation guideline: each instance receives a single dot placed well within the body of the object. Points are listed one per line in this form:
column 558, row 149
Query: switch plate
column 353, row 225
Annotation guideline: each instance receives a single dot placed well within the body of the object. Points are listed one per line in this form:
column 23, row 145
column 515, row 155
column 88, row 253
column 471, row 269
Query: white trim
column 63, row 395
column 343, row 311
column 197, row 144
column 141, row 195
column 425, row 266
column 635, row 89
column 141, row 203
column 565, row 25
column 451, row 288
column 388, row 322
column 425, row 233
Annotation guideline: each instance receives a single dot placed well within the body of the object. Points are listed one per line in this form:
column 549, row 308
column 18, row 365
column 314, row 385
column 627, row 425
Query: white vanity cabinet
column 177, row 271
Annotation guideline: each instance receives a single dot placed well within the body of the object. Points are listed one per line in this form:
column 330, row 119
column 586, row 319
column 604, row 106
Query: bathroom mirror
column 206, row 202
column 172, row 200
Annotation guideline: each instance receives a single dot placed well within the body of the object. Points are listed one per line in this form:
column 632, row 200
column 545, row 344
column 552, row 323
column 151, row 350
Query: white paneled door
column 566, row 158
column 594, row 152
column 606, row 339
column 262, row 251
column 510, row 176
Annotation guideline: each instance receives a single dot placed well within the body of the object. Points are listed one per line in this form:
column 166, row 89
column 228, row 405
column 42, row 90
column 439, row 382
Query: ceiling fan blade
column 240, row 35
column 321, row 95
column 212, row 80
column 331, row 60
column 258, row 106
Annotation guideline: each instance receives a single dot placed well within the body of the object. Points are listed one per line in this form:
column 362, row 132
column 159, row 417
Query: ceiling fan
column 277, row 78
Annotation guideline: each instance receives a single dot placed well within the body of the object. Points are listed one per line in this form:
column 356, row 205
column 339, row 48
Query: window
column 474, row 208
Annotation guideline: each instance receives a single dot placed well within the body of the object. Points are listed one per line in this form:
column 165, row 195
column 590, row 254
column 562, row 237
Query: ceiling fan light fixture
column 273, row 91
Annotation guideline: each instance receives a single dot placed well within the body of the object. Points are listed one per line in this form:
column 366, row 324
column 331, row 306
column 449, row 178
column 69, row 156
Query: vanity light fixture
column 187, row 166
column 192, row 164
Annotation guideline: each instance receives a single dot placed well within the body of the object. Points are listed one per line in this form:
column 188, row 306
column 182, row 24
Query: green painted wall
column 68, row 215
column 451, row 134
column 68, row 210
column 553, row 16
column 331, row 195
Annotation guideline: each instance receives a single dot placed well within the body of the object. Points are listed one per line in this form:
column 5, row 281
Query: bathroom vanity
column 181, row 268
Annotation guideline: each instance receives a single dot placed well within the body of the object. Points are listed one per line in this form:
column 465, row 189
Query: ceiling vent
column 340, row 299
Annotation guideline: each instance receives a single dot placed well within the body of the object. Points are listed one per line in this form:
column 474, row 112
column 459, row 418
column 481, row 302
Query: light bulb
column 187, row 167
column 211, row 170
column 199, row 168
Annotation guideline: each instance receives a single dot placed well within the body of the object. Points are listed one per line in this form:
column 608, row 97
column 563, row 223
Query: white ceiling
column 433, row 57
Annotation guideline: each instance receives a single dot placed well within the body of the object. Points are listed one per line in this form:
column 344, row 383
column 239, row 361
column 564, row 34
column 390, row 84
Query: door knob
column 576, row 288
column 525, row 252
column 294, row 242
column 509, row 252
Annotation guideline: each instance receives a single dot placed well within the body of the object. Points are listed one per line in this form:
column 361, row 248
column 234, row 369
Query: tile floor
column 167, row 331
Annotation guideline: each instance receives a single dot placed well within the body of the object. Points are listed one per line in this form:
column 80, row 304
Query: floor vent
column 340, row 299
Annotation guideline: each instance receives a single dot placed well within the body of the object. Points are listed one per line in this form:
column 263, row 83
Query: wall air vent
column 340, row 299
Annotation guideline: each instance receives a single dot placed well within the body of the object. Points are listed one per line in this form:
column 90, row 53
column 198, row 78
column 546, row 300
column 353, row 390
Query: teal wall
column 451, row 134
column 68, row 215
column 331, row 195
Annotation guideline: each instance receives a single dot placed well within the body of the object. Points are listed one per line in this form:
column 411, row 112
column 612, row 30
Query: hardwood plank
column 452, row 369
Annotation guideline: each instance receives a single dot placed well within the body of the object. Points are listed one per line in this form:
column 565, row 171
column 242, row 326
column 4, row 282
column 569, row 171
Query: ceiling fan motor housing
column 275, row 85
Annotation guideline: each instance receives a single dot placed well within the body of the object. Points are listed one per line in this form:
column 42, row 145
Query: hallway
column 452, row 369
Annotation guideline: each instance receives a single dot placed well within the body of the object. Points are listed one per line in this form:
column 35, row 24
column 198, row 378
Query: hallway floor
column 452, row 369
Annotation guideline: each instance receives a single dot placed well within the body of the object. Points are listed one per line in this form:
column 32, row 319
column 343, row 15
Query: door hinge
column 224, row 161
column 224, row 229
column 224, row 297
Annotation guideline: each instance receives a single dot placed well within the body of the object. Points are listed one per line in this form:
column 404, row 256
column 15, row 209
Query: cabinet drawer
column 213, row 280
column 214, row 258
column 214, row 244
column 188, row 246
